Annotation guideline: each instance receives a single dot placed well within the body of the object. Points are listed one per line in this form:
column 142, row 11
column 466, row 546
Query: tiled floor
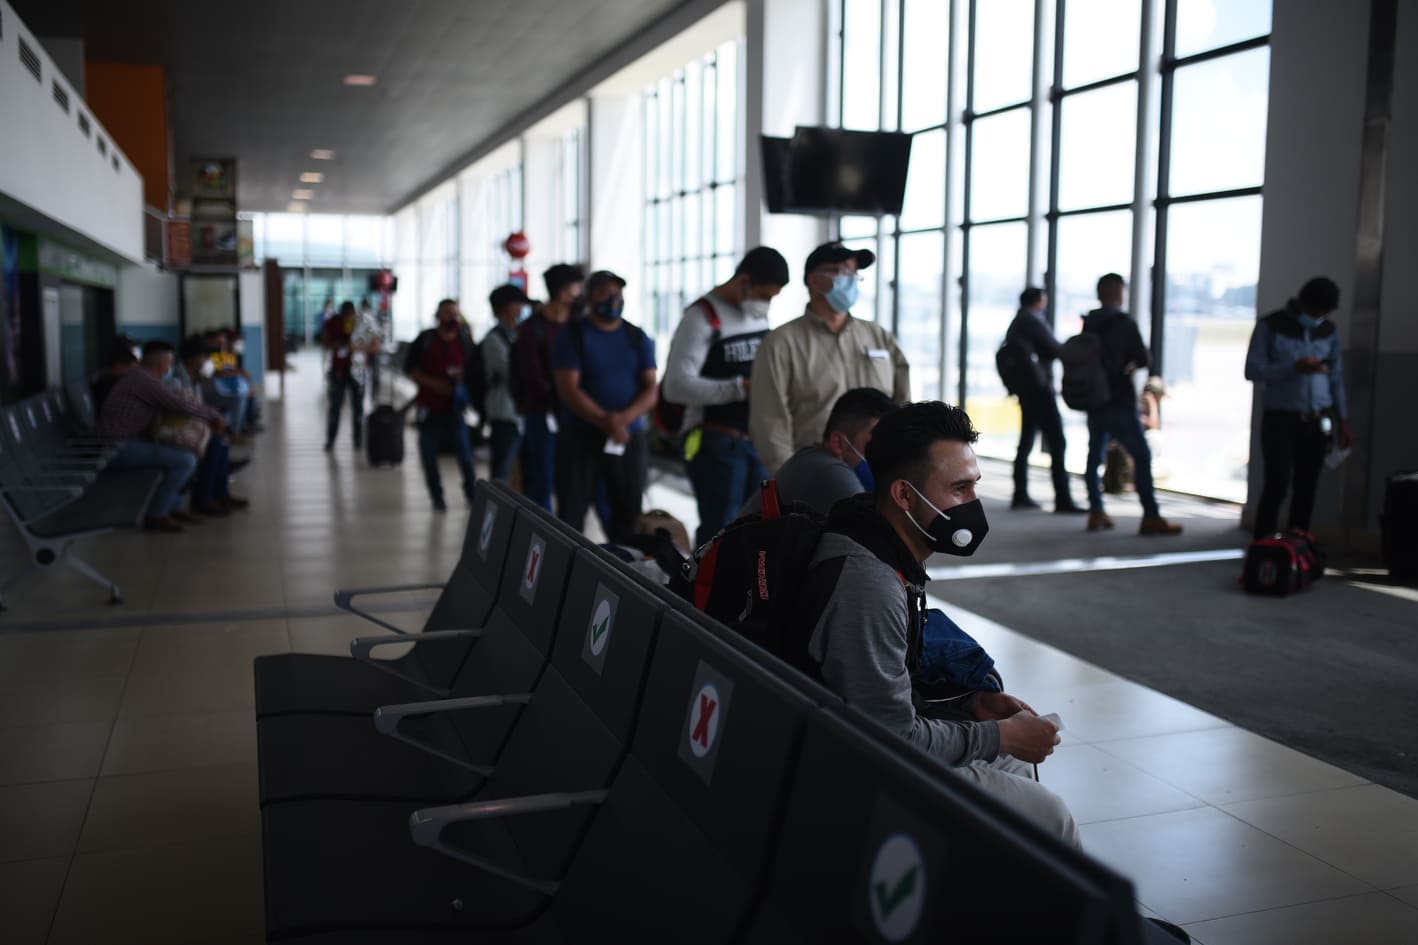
column 127, row 744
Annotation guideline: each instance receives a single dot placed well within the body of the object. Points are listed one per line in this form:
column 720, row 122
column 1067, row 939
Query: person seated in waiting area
column 862, row 608
column 211, row 490
column 137, row 401
column 823, row 474
column 230, row 388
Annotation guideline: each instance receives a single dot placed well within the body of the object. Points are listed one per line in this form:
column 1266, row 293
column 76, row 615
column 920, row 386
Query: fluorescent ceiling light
column 358, row 79
column 295, row 206
column 311, row 177
column 322, row 154
column 301, row 194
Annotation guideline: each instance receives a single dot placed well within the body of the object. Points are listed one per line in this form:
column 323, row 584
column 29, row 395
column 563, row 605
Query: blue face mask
column 1310, row 322
column 863, row 470
column 844, row 292
column 609, row 309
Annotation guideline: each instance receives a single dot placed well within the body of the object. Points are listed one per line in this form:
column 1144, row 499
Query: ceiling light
column 363, row 81
column 295, row 206
column 301, row 194
column 311, row 177
column 322, row 154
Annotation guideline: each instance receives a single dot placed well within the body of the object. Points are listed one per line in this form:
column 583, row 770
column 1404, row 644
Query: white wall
column 617, row 179
column 147, row 299
column 49, row 166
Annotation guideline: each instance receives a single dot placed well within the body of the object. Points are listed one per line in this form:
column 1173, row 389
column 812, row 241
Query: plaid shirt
column 137, row 400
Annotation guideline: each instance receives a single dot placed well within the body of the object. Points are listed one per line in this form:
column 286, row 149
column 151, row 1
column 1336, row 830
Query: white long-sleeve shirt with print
column 690, row 346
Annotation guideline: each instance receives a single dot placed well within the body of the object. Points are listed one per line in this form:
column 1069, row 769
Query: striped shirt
column 137, row 400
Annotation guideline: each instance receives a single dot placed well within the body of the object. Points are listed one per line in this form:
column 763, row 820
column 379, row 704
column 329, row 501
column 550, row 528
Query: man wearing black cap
column 510, row 305
column 707, row 370
column 804, row 366
column 605, row 379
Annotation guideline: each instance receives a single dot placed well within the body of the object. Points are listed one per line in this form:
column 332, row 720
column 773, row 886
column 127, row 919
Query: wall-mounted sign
column 179, row 244
column 214, row 178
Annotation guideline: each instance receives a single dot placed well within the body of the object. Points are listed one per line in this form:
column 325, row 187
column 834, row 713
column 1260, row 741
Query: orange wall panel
column 131, row 101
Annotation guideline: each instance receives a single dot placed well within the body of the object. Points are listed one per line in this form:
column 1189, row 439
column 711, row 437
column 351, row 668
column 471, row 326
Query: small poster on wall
column 179, row 244
column 214, row 242
column 214, row 179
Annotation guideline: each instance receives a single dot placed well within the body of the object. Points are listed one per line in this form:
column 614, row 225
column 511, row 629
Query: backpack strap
column 711, row 314
column 772, row 505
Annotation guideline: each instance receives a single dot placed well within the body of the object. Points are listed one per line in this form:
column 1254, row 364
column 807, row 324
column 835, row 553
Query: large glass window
column 924, row 203
column 1100, row 39
column 997, row 255
column 1097, row 147
column 1218, row 123
column 1210, row 24
column 861, row 64
column 920, row 290
column 925, row 63
column 692, row 174
column 999, row 166
column 1004, row 59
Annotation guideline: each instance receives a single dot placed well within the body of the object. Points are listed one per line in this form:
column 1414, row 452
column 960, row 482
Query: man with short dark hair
column 825, row 473
column 536, row 398
column 804, row 366
column 708, row 371
column 1031, row 349
column 1123, row 353
column 351, row 339
column 1295, row 356
column 436, row 362
column 605, row 381
column 139, row 398
column 863, row 604
column 510, row 306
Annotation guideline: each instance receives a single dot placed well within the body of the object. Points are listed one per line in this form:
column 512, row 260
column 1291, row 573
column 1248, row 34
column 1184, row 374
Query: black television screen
column 777, row 174
column 861, row 172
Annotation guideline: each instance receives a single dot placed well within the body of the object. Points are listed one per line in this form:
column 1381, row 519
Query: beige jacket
column 801, row 370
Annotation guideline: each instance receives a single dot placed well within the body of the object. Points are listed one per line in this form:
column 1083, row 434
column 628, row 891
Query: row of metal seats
column 57, row 487
column 569, row 753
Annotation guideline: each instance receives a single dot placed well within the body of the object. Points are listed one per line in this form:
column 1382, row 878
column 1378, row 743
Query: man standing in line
column 605, row 379
column 804, row 366
column 708, row 368
column 351, row 340
column 1123, row 353
column 510, row 306
column 1294, row 355
column 1031, row 349
column 536, row 397
column 435, row 362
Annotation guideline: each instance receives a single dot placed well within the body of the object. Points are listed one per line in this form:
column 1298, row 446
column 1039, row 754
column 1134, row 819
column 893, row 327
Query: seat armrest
column 344, row 599
column 426, row 827
column 387, row 718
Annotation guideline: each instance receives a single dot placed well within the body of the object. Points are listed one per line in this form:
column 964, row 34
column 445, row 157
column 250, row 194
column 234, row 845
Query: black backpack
column 1282, row 564
column 749, row 576
column 1012, row 363
column 515, row 383
column 1085, row 375
column 475, row 381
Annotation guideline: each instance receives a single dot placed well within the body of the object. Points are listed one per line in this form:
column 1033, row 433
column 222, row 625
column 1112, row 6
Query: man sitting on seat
column 863, row 601
column 211, row 491
column 136, row 401
column 823, row 474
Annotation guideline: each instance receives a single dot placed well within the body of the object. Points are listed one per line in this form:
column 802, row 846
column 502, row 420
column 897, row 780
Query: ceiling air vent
column 103, row 147
column 84, row 124
column 30, row 60
column 114, row 159
column 62, row 97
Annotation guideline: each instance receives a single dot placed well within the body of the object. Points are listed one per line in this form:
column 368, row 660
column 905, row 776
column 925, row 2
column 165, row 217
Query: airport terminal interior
column 1241, row 768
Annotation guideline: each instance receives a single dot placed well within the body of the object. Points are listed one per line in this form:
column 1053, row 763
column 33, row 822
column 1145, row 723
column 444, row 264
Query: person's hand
column 440, row 385
column 1311, row 366
column 618, row 427
column 1346, row 435
column 988, row 706
column 747, row 385
column 1027, row 737
column 219, row 426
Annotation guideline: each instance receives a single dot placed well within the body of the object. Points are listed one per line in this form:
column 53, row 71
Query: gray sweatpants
column 1012, row 781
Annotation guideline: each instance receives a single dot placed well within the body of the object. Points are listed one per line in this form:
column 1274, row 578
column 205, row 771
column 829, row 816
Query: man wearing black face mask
column 435, row 363
column 863, row 602
column 604, row 369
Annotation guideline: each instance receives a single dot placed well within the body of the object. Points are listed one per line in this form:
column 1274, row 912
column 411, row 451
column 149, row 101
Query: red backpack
column 1282, row 564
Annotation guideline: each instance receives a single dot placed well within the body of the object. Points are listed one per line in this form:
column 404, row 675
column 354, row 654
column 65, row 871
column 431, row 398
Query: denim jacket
column 1279, row 340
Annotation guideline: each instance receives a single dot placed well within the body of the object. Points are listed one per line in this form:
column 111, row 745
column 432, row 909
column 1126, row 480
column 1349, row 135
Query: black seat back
column 27, row 492
column 876, row 848
column 690, row 818
column 82, row 410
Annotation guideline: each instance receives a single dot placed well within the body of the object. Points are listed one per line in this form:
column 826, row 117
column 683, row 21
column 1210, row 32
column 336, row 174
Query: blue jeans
column 725, row 472
column 1120, row 422
column 177, row 467
column 340, row 388
column 437, row 424
column 538, row 460
column 212, row 473
column 505, row 438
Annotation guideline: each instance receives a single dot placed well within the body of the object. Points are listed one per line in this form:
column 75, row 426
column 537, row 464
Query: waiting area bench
column 56, row 488
column 571, row 753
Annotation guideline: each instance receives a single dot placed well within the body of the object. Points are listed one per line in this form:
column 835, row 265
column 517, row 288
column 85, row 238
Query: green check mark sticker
column 897, row 888
column 599, row 630
column 600, row 627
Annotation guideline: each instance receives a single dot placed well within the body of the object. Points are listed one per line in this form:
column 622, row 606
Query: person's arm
column 413, row 367
column 163, row 398
column 1038, row 336
column 1138, row 355
column 1335, row 365
column 1261, row 365
column 619, row 421
column 901, row 373
column 496, row 356
column 770, row 420
column 861, row 637
column 573, row 398
column 688, row 349
column 534, row 369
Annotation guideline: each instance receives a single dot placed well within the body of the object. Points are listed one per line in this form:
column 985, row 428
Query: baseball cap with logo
column 829, row 254
column 599, row 278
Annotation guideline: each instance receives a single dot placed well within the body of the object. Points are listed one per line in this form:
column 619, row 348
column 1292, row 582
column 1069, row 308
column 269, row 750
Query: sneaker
column 1097, row 521
column 1157, row 525
column 185, row 518
column 1068, row 508
column 161, row 523
column 231, row 502
column 212, row 508
column 1023, row 502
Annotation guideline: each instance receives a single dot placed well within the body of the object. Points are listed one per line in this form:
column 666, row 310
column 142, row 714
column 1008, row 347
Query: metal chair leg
column 115, row 595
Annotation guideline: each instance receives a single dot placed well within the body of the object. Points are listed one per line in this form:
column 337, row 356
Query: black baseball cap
column 830, row 253
column 599, row 278
column 506, row 295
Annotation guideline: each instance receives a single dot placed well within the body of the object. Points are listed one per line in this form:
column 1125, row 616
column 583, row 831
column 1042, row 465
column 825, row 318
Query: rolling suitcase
column 384, row 431
column 1399, row 527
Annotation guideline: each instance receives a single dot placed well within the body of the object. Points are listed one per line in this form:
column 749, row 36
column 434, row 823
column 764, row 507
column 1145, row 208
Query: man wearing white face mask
column 861, row 614
column 510, row 307
column 804, row 366
column 710, row 360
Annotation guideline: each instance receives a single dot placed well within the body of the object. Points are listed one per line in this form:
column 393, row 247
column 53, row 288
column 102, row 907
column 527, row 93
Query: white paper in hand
column 1053, row 717
column 614, row 449
column 1334, row 458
